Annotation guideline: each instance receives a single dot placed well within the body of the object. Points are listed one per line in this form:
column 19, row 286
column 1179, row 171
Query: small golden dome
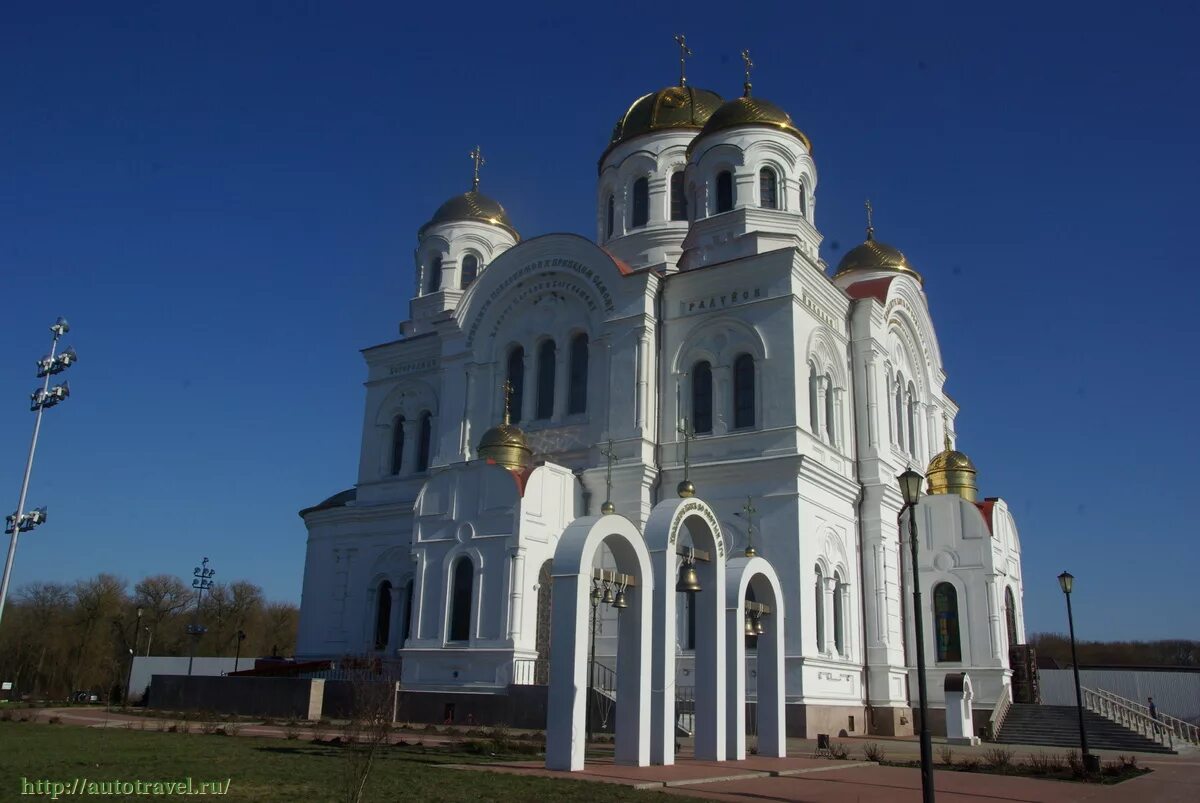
column 505, row 445
column 670, row 107
column 873, row 255
column 473, row 205
column 952, row 472
column 751, row 111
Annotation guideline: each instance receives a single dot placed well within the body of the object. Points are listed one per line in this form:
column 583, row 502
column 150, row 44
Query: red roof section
column 621, row 266
column 520, row 475
column 985, row 507
column 871, row 288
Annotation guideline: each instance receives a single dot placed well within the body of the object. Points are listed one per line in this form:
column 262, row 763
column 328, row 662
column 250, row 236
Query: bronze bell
column 750, row 630
column 620, row 602
column 759, row 627
column 595, row 595
column 689, row 582
column 608, row 594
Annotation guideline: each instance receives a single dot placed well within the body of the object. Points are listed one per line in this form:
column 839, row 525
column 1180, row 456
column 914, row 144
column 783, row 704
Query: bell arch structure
column 693, row 519
column 742, row 575
column 574, row 562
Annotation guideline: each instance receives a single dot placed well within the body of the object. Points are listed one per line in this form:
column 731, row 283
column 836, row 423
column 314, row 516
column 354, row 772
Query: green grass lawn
column 267, row 769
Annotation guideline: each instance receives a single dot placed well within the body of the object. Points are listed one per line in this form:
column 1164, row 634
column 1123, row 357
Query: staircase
column 1058, row 726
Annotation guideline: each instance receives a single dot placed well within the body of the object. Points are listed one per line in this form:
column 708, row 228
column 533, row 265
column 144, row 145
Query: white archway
column 694, row 518
column 574, row 562
column 744, row 574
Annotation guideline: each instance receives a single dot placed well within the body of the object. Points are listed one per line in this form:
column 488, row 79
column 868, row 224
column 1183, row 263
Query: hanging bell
column 750, row 631
column 689, row 581
column 595, row 595
column 620, row 601
column 759, row 627
column 608, row 595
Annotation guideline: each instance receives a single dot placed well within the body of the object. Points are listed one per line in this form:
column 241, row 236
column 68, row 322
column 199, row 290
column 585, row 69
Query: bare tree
column 368, row 729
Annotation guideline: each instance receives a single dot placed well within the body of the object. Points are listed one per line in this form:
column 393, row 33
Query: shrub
column 1044, row 764
column 1075, row 763
column 970, row 765
column 839, row 751
column 998, row 757
column 209, row 728
column 232, row 729
column 291, row 729
column 947, row 755
column 873, row 752
column 57, row 720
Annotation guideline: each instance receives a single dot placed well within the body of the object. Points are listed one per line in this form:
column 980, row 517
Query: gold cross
column 684, row 52
column 611, row 457
column 508, row 390
column 749, row 510
column 870, row 221
column 476, row 157
column 749, row 66
column 946, row 430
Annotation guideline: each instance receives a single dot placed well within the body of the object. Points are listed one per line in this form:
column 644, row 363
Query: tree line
column 57, row 638
column 1169, row 652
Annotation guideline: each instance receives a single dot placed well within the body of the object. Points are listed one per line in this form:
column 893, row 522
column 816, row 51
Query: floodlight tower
column 201, row 581
column 42, row 398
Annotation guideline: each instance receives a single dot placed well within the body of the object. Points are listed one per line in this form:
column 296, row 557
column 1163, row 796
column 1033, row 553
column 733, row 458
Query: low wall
column 285, row 698
column 516, row 707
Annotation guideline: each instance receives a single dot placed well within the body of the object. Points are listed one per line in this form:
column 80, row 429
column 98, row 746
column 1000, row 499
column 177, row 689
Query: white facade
column 807, row 394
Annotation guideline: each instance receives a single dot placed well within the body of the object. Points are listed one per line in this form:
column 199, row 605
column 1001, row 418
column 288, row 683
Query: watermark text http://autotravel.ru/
column 182, row 787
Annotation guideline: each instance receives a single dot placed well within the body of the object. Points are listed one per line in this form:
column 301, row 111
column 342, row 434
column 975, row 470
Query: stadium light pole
column 910, row 489
column 42, row 398
column 201, row 581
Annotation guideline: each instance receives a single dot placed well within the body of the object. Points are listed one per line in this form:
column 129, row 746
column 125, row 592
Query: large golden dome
column 752, row 111
column 671, row 107
column 505, row 445
column 952, row 472
column 873, row 255
column 473, row 205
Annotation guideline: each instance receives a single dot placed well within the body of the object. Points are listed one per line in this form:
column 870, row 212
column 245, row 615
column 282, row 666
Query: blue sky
column 224, row 200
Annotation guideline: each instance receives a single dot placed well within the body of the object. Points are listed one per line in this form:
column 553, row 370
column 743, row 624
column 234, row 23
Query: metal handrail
column 1180, row 729
column 1116, row 709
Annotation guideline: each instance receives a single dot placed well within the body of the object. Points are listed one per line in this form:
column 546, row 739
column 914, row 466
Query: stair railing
column 999, row 713
column 1125, row 713
column 1178, row 728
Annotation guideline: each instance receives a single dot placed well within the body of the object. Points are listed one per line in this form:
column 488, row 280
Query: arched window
column 435, row 275
column 839, row 617
column 679, row 205
column 803, row 199
column 768, row 189
column 724, row 191
column 819, row 609
column 814, row 418
column 397, row 444
column 641, row 202
column 900, row 409
column 515, row 374
column 383, row 614
column 612, row 204
column 912, row 420
column 830, row 412
column 577, row 393
column 408, row 613
column 743, row 391
column 702, row 397
column 425, row 442
column 945, row 618
column 1010, row 616
column 470, row 269
column 545, row 374
column 463, row 582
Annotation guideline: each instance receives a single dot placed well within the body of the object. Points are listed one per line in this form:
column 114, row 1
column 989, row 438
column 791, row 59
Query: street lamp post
column 137, row 636
column 910, row 488
column 45, row 396
column 1066, row 581
column 202, row 581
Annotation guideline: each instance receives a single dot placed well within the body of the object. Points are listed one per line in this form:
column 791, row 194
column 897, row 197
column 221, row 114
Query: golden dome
column 873, row 255
column 751, row 111
column 952, row 472
column 505, row 445
column 670, row 107
column 473, row 205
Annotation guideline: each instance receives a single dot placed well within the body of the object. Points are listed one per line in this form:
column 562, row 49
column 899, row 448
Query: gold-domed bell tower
column 952, row 472
column 505, row 444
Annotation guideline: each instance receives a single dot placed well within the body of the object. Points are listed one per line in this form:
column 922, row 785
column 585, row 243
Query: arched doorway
column 753, row 593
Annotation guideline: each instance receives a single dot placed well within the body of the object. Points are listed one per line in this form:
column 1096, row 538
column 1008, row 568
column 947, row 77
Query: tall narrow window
column 724, row 191
column 945, row 617
column 408, row 613
column 768, row 189
column 425, row 442
column 397, row 444
column 803, row 199
column 383, row 615
column 641, row 202
column 515, row 374
column 679, row 205
column 470, row 269
column 577, row 396
column 830, row 412
column 435, row 275
column 839, row 617
column 912, row 421
column 900, row 409
column 702, row 397
column 819, row 609
column 612, row 209
column 460, row 600
column 1010, row 615
column 743, row 391
column 814, row 415
column 547, row 354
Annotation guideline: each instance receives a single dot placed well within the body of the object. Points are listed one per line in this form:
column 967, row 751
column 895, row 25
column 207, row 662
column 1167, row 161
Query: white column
column 643, row 352
column 395, row 627
column 658, row 198
column 412, row 433
column 562, row 353
column 822, row 422
column 828, row 588
column 529, row 391
column 881, row 607
column 516, row 601
column 872, row 404
column 993, row 609
column 722, row 398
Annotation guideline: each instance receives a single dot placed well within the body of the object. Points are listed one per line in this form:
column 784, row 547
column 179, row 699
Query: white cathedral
column 699, row 345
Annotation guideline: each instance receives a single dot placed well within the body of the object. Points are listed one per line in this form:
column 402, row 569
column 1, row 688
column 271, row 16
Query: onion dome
column 751, row 111
column 873, row 255
column 505, row 444
column 669, row 108
column 952, row 472
column 472, row 206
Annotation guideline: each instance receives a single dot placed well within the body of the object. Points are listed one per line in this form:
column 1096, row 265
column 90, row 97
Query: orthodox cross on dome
column 507, row 387
column 946, row 431
column 684, row 52
column 749, row 509
column 686, row 488
column 749, row 65
column 870, row 221
column 476, row 157
column 610, row 457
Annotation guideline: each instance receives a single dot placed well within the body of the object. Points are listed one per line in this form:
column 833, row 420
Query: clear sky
column 223, row 199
